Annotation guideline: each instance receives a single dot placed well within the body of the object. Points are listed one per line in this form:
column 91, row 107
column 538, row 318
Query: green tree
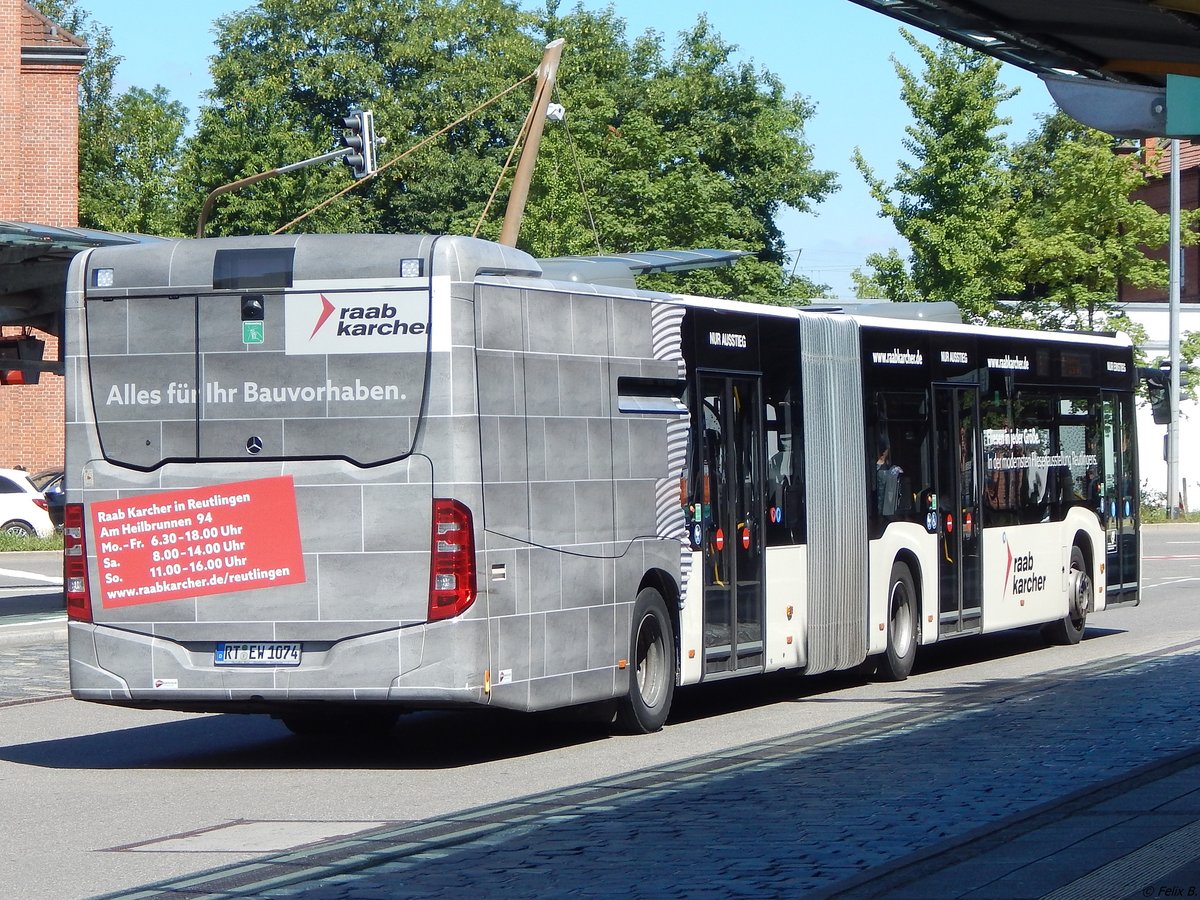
column 1189, row 355
column 952, row 204
column 139, row 188
column 687, row 150
column 1077, row 235
column 129, row 143
column 690, row 150
column 888, row 279
column 286, row 70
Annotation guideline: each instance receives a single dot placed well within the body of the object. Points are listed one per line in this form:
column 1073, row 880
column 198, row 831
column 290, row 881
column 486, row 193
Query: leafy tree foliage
column 952, row 204
column 1077, row 234
column 659, row 150
column 1040, row 234
column 681, row 152
column 286, row 70
column 129, row 144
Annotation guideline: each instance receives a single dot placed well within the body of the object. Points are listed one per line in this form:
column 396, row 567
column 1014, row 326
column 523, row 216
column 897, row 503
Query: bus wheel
column 1069, row 629
column 652, row 657
column 903, row 621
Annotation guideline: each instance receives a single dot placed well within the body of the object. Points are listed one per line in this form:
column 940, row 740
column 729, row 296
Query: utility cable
column 395, row 159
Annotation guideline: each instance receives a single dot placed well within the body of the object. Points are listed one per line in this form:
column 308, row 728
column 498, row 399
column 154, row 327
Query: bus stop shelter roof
column 33, row 268
column 1132, row 41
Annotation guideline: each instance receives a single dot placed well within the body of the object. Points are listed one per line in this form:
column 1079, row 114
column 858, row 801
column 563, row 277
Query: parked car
column 50, row 483
column 24, row 510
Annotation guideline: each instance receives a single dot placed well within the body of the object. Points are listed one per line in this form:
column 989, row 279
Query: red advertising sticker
column 214, row 540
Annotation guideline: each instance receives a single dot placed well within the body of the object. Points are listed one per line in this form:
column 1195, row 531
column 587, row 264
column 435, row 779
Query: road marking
column 1171, row 582
column 32, row 576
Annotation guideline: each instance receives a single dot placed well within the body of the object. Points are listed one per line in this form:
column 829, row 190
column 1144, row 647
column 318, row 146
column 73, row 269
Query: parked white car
column 23, row 508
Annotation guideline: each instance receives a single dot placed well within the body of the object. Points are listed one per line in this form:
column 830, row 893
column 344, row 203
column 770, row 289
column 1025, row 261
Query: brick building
column 1157, row 194
column 39, row 182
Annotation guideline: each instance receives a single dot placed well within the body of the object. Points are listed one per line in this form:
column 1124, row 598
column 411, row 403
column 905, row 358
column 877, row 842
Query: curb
column 894, row 876
column 34, row 632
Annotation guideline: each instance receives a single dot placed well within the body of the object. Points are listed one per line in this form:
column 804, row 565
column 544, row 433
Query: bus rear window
column 318, row 375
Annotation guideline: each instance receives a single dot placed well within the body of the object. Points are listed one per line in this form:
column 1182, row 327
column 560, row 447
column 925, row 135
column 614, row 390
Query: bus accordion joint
column 75, row 581
column 452, row 564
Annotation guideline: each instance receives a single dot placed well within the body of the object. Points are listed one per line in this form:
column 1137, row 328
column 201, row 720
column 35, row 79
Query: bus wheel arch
column 903, row 620
column 667, row 588
column 651, row 664
column 1080, row 595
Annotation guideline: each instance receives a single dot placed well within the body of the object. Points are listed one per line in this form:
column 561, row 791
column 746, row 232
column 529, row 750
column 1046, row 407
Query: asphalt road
column 777, row 785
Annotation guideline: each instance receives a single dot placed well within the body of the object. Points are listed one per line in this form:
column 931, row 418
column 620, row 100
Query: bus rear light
column 452, row 560
column 75, row 581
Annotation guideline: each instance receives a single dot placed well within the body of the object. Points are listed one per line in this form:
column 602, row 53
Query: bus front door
column 733, row 540
column 957, row 487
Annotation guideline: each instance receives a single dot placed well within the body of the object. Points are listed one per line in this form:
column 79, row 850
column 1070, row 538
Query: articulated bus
column 331, row 478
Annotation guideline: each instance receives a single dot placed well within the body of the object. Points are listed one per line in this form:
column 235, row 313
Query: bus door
column 732, row 476
column 957, row 487
column 1119, row 503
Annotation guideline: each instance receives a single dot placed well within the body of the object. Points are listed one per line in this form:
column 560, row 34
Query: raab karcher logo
column 375, row 322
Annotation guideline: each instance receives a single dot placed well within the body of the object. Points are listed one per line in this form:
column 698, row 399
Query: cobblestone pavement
column 798, row 816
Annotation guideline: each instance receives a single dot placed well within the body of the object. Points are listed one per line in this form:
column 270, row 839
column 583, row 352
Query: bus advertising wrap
column 190, row 543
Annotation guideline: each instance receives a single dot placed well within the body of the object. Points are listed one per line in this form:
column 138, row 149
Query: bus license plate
column 257, row 653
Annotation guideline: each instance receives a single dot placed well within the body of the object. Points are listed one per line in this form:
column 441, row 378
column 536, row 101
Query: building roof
column 43, row 42
column 39, row 31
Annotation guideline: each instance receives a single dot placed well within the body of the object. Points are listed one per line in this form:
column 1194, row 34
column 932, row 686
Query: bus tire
column 903, row 623
column 1069, row 629
column 652, row 666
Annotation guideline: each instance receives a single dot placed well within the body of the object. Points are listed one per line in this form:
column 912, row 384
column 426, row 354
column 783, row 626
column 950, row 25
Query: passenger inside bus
column 887, row 483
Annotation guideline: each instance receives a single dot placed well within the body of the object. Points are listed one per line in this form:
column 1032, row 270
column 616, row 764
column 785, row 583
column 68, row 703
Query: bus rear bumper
column 114, row 665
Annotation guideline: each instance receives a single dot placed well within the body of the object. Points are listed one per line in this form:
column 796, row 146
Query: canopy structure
column 1129, row 67
column 33, row 269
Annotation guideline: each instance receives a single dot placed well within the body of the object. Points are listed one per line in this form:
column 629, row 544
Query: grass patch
column 10, row 542
column 1157, row 515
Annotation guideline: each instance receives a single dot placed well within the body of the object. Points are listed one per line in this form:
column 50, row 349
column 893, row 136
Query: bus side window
column 784, row 508
column 898, row 436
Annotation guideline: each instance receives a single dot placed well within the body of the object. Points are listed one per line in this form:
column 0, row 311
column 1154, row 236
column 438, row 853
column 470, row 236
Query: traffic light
column 1158, row 390
column 358, row 133
column 16, row 349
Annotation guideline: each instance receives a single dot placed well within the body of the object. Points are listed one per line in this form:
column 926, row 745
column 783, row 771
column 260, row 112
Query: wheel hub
column 1081, row 593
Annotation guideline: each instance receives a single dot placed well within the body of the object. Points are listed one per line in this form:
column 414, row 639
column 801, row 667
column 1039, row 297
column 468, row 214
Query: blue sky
column 834, row 52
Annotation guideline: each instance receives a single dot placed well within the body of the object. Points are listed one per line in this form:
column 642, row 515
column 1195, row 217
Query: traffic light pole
column 211, row 199
column 1173, row 495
